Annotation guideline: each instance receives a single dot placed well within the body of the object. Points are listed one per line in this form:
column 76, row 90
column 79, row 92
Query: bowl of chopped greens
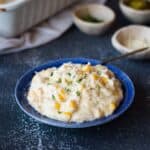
column 93, row 19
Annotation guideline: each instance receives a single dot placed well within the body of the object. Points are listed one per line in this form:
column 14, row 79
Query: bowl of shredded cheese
column 131, row 38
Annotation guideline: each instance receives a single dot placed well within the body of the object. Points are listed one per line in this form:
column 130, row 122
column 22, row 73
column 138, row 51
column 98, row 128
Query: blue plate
column 24, row 83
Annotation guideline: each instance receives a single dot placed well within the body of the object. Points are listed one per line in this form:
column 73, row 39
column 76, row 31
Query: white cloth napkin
column 47, row 31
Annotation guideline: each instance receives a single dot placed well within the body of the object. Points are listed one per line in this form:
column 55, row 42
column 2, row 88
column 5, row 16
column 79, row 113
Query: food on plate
column 75, row 92
column 5, row 1
column 91, row 19
column 138, row 4
column 137, row 43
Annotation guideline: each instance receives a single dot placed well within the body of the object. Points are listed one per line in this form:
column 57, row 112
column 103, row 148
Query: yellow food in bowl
column 75, row 92
column 138, row 4
column 5, row 1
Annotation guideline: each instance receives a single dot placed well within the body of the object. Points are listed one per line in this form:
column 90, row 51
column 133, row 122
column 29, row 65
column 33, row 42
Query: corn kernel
column 69, row 82
column 87, row 68
column 57, row 86
column 73, row 105
column 61, row 95
column 57, row 106
column 62, row 91
column 68, row 114
column 103, row 80
column 96, row 76
column 82, row 87
column 112, row 106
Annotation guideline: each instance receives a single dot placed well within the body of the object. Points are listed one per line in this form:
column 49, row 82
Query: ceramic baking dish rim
column 12, row 5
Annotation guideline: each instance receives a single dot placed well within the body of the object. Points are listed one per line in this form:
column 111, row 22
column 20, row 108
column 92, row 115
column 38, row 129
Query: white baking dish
column 19, row 15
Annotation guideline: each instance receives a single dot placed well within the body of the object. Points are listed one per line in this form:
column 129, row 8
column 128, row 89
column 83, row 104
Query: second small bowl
column 100, row 18
column 134, row 15
column 132, row 37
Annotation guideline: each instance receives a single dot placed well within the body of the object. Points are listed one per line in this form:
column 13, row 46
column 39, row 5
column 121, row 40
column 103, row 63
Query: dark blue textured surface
column 24, row 82
column 129, row 132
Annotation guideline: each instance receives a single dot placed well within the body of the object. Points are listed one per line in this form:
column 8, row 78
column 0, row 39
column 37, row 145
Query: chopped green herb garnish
column 91, row 19
column 53, row 97
column 59, row 80
column 78, row 93
column 79, row 80
column 69, row 74
column 59, row 112
column 51, row 74
column 48, row 83
column 67, row 90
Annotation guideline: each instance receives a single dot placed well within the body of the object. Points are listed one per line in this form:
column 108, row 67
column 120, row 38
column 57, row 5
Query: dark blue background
column 18, row 131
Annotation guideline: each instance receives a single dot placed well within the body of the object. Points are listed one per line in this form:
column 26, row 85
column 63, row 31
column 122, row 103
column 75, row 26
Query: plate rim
column 86, row 124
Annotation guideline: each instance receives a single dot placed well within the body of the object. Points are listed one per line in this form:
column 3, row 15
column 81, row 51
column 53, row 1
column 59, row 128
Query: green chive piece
column 69, row 74
column 89, row 18
column 53, row 97
column 79, row 80
column 51, row 74
column 59, row 112
column 78, row 93
column 59, row 80
column 67, row 90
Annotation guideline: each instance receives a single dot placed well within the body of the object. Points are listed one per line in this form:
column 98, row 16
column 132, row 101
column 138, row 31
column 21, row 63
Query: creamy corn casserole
column 75, row 92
